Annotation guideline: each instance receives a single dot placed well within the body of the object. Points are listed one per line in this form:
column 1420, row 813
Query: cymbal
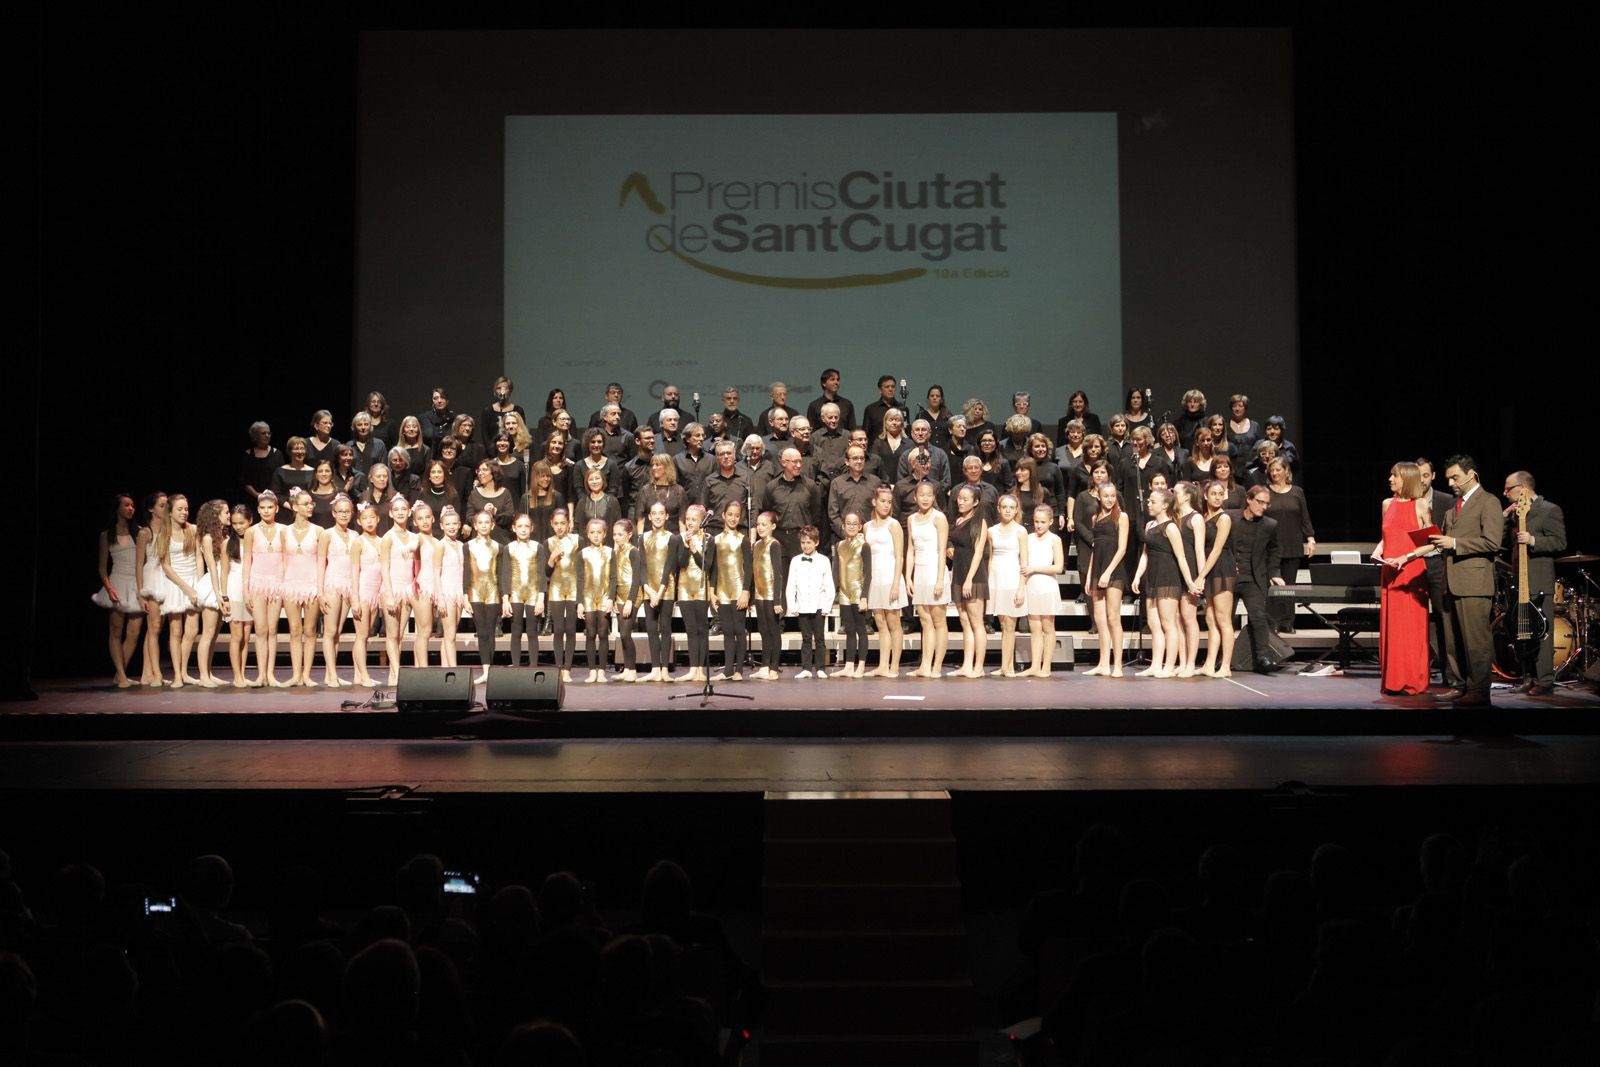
column 1578, row 558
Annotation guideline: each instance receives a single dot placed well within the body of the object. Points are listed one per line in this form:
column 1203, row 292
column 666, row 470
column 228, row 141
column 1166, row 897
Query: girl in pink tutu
column 336, row 550
column 302, row 586
column 427, row 582
column 366, row 561
column 449, row 590
column 263, row 584
column 399, row 554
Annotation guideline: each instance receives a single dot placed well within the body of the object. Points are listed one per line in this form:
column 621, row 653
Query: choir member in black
column 664, row 490
column 491, row 492
column 1272, row 431
column 874, row 467
column 523, row 446
column 872, row 415
column 1094, row 450
column 777, row 438
column 557, row 456
column 830, row 394
column 938, row 458
column 969, row 578
column 766, row 590
column 829, row 441
column 377, row 492
column 724, row 486
column 561, row 591
column 1164, row 572
column 852, row 577
column 457, row 471
column 1192, row 417
column 1142, row 465
column 1220, row 444
column 595, row 594
column 1243, row 431
column 671, row 399
column 693, row 463
column 1255, row 550
column 636, row 473
column 370, row 449
column 800, row 440
column 556, row 400
column 794, row 501
column 489, row 419
column 595, row 505
column 261, row 459
column 1544, row 539
column 693, row 559
column 401, row 477
column 471, row 451
column 1197, row 467
column 976, row 412
column 1029, row 492
column 595, row 457
column 958, row 443
column 618, row 439
column 1222, row 471
column 1119, row 446
column 1106, row 577
column 1050, row 476
column 437, row 419
column 658, row 592
column 1015, row 446
column 383, row 427
column 1069, row 454
column 560, row 423
column 1077, row 408
column 1137, row 413
column 1022, row 404
column 296, row 473
column 851, row 491
column 626, row 421
column 988, row 495
column 321, row 442
column 543, row 500
column 1220, row 572
column 778, row 400
column 437, row 491
column 324, row 490
column 524, row 578
column 739, row 425
column 627, row 570
column 482, row 562
column 937, row 414
column 905, row 490
column 1169, row 448
column 669, row 441
column 996, row 471
column 730, row 566
column 345, row 475
column 1296, row 538
column 1256, row 472
column 809, row 594
column 1187, row 507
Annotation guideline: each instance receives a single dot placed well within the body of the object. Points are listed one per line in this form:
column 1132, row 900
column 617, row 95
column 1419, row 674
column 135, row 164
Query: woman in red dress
column 1403, row 628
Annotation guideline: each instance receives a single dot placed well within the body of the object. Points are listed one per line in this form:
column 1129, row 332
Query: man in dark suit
column 1545, row 539
column 1441, row 502
column 1255, row 548
column 1473, row 528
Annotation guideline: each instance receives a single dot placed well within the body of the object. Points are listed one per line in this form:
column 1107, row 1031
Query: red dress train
column 1403, row 631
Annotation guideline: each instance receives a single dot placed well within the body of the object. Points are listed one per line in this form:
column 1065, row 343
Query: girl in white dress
column 179, row 553
column 886, row 594
column 210, row 525
column 928, row 577
column 152, row 586
column 119, row 586
column 1007, row 599
column 1045, row 560
column 235, row 604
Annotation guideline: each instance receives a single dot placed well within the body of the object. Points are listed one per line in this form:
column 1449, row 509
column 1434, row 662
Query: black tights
column 563, row 631
column 597, row 634
column 854, row 623
column 771, row 627
column 813, row 655
column 485, row 623
column 523, row 620
column 735, row 637
column 625, row 637
column 658, row 628
column 697, row 629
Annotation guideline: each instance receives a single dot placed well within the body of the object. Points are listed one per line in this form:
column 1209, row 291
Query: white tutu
column 127, row 589
column 153, row 584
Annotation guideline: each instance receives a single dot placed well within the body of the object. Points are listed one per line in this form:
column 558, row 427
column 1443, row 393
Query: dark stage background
column 196, row 240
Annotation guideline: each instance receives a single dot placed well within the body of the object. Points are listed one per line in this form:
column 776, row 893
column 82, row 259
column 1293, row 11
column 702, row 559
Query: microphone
column 695, row 398
column 904, row 392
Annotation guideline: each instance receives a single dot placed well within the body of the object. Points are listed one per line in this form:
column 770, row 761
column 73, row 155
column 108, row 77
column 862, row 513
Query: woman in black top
column 976, row 412
column 321, row 442
column 489, row 420
column 958, row 443
column 1137, row 414
column 513, row 475
column 345, row 474
column 595, row 503
column 378, row 410
column 417, row 452
column 1168, row 448
column 938, row 415
column 664, row 490
column 370, row 449
column 457, row 470
column 324, row 488
column 260, row 460
column 1050, row 475
column 438, row 492
column 1077, row 408
column 294, row 474
column 554, row 402
column 470, row 451
column 378, row 492
column 1296, row 539
column 490, row 491
column 543, row 500
column 996, row 471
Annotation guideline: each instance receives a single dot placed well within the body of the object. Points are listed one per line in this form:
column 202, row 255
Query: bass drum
column 1508, row 664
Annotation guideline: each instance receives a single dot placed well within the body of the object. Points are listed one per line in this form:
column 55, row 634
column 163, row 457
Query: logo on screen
column 925, row 219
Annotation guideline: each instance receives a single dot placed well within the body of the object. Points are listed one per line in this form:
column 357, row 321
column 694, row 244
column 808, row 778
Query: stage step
column 865, row 954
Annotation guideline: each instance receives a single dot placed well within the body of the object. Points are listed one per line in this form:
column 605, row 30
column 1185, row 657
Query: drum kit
column 1573, row 613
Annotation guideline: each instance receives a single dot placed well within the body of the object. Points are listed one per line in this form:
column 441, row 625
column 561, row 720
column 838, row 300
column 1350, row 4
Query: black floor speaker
column 524, row 689
column 434, row 690
column 1244, row 653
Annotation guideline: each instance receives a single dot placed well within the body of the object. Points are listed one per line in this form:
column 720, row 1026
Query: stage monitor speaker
column 524, row 689
column 1244, row 654
column 434, row 690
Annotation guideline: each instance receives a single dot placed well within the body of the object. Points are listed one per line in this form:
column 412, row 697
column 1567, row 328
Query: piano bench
column 1348, row 623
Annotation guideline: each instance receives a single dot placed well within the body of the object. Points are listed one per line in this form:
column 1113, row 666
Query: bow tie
column 808, row 559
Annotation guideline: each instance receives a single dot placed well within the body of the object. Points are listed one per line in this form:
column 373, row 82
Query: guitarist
column 1544, row 539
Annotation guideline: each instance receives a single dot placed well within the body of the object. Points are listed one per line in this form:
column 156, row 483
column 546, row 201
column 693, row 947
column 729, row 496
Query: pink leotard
column 266, row 561
column 300, row 565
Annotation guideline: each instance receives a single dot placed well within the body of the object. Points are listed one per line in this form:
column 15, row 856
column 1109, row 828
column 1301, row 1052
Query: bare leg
column 1008, row 647
column 265, row 614
column 1168, row 609
column 941, row 638
column 1158, row 638
column 1044, row 659
column 150, row 670
column 897, row 641
column 1219, row 615
column 925, row 663
column 394, row 629
column 333, row 608
column 178, row 644
column 1102, row 631
column 117, row 626
column 239, row 647
column 1113, row 599
column 311, row 611
column 448, row 619
column 209, row 618
column 358, row 650
column 1035, row 643
column 422, row 632
column 1189, row 622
